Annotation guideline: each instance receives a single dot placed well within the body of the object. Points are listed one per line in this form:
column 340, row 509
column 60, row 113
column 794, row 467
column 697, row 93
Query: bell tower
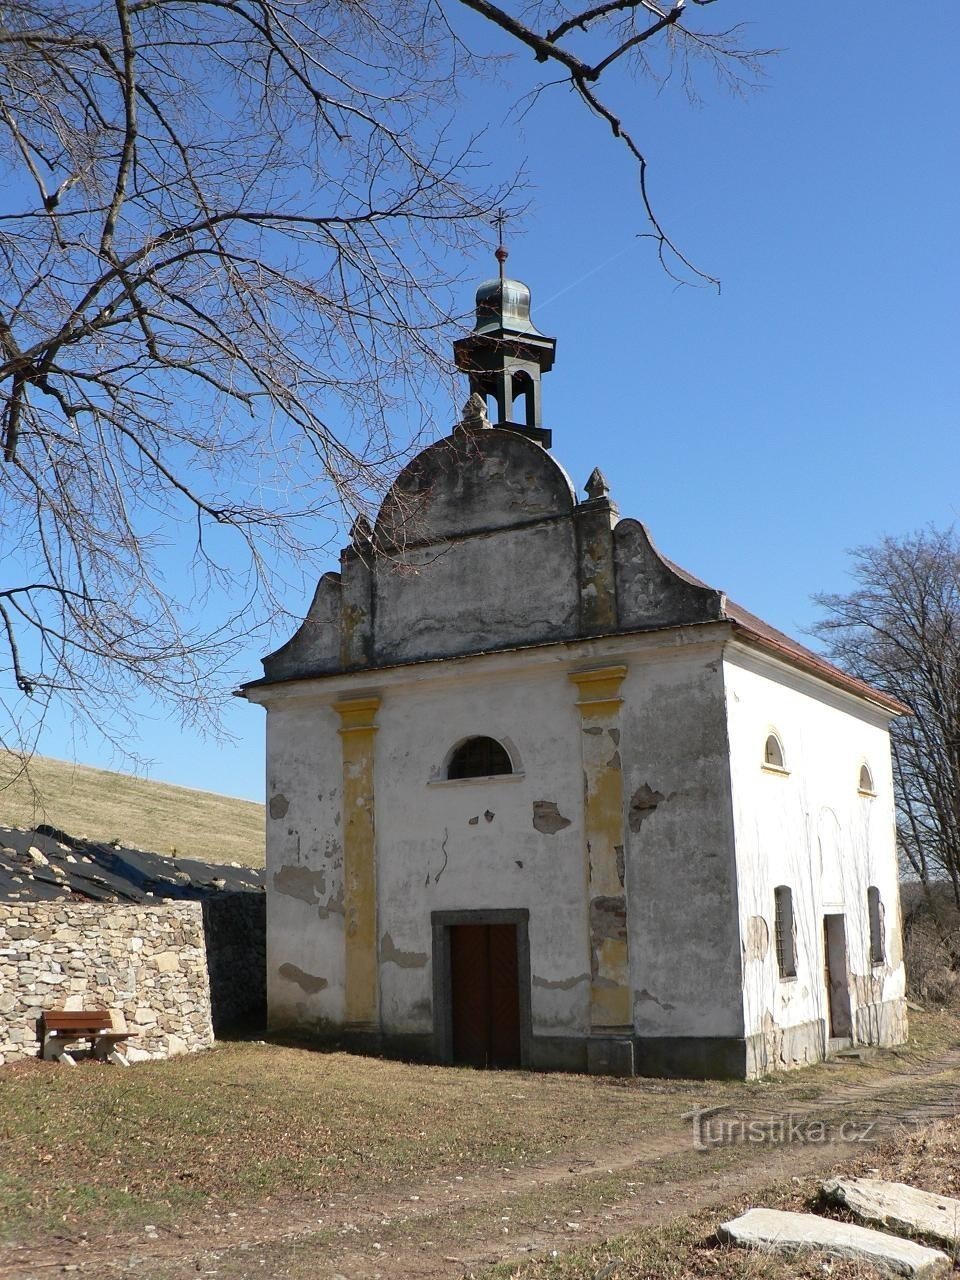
column 505, row 355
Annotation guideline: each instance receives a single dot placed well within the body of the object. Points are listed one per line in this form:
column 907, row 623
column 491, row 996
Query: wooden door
column 836, row 976
column 485, row 995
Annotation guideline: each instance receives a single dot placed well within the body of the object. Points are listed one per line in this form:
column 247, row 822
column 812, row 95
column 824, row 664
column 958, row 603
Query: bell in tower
column 505, row 355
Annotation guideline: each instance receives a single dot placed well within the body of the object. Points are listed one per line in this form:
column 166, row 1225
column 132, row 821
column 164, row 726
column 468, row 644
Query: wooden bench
column 64, row 1029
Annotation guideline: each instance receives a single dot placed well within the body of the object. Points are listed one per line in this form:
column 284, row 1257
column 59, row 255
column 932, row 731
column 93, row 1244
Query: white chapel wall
column 681, row 874
column 305, row 953
column 808, row 827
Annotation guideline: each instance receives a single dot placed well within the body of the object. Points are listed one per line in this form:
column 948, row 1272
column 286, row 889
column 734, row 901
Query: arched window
column 783, row 929
column 773, row 752
column 875, row 909
column 865, row 785
column 479, row 758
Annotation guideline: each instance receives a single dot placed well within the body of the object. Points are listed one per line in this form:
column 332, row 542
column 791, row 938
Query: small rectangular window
column 875, row 908
column 786, row 952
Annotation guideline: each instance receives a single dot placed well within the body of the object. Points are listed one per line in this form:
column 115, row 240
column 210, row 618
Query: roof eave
column 823, row 671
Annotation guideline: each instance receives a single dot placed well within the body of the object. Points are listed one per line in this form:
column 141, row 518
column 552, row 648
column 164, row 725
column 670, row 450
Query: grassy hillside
column 151, row 815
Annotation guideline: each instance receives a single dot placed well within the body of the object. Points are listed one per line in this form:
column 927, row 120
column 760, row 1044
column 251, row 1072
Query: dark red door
column 485, row 995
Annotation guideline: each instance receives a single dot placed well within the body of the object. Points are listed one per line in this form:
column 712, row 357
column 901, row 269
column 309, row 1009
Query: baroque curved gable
column 469, row 482
column 482, row 545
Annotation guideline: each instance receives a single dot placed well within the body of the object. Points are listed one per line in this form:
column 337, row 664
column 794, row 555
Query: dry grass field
column 290, row 1164
column 102, row 805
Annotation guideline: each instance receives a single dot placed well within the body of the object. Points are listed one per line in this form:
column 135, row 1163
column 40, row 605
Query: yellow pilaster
column 611, row 1003
column 361, row 979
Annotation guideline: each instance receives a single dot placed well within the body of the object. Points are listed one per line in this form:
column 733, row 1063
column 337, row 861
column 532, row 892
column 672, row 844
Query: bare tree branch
column 615, row 27
column 225, row 277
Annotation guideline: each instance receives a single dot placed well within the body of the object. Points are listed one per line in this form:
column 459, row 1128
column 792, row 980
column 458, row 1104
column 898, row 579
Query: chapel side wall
column 502, row 843
column 809, row 828
column 681, row 873
column 304, row 866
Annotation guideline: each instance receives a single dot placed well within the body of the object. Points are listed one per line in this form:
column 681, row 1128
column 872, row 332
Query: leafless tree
column 648, row 40
column 225, row 240
column 899, row 629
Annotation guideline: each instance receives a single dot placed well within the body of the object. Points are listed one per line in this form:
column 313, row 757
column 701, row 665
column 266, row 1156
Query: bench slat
column 75, row 1020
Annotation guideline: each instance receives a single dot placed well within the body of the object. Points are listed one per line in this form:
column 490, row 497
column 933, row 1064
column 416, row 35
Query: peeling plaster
column 756, row 941
column 642, row 803
column 773, row 1038
column 614, row 761
column 488, row 816
column 867, row 987
column 279, row 804
column 561, row 984
column 548, row 818
column 333, row 906
column 646, row 997
column 472, row 822
column 307, row 982
column 391, row 954
column 300, row 882
column 608, row 954
column 608, row 919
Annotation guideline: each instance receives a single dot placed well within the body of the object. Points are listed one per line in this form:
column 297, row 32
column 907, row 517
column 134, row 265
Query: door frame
column 441, row 923
column 836, row 973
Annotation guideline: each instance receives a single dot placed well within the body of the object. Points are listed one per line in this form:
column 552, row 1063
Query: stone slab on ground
column 897, row 1207
column 776, row 1231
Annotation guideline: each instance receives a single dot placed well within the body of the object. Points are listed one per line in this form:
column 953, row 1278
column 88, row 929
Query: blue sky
column 810, row 406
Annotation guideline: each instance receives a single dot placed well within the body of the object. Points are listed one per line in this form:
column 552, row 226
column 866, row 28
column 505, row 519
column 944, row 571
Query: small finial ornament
column 361, row 531
column 596, row 486
column 475, row 413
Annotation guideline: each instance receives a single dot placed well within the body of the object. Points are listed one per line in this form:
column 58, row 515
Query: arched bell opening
column 526, row 395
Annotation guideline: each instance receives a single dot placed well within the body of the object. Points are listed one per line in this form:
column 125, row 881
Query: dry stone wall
column 146, row 962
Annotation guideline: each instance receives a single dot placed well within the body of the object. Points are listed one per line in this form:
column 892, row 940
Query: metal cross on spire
column 501, row 254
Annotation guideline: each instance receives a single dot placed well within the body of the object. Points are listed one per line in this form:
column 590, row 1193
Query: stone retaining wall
column 147, row 962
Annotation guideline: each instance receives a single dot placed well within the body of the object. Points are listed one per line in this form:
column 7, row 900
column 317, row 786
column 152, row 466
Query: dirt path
column 449, row 1226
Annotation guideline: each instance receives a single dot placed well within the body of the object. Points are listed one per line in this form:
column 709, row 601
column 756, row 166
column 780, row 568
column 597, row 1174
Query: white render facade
column 814, row 828
column 682, row 858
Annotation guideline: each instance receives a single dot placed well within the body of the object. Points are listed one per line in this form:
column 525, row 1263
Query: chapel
column 539, row 798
